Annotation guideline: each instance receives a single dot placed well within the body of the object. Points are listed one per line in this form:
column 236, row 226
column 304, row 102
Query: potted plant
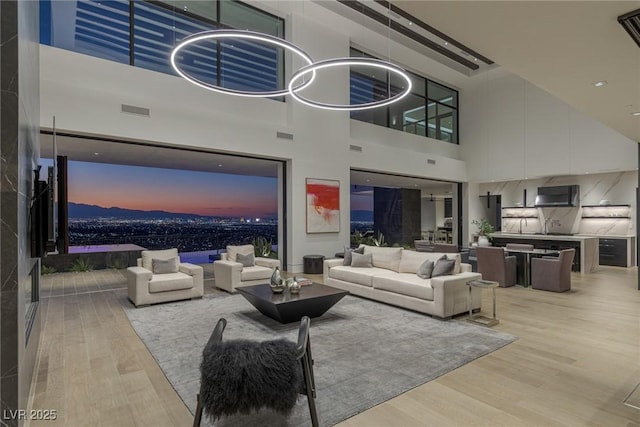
column 485, row 229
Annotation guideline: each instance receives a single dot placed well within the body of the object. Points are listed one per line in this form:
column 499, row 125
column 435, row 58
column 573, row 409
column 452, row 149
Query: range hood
column 559, row 196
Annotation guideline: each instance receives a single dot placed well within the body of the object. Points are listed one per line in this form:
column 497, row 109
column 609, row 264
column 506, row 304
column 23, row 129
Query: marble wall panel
column 617, row 188
column 19, row 155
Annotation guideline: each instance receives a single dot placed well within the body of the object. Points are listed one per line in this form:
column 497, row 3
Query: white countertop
column 575, row 237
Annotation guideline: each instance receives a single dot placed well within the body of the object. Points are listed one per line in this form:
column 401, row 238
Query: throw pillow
column 233, row 251
column 348, row 252
column 165, row 266
column 443, row 267
column 425, row 270
column 246, row 260
column 361, row 260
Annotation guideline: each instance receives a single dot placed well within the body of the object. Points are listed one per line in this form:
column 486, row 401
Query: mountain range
column 81, row 210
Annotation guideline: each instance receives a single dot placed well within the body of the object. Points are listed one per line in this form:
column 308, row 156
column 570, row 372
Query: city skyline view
column 171, row 190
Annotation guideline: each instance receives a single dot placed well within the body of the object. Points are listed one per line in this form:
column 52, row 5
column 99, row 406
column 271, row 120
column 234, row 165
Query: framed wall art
column 323, row 205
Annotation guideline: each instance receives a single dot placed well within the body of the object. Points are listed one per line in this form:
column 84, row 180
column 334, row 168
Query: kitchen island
column 587, row 249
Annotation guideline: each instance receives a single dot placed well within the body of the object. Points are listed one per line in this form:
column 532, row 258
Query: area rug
column 365, row 352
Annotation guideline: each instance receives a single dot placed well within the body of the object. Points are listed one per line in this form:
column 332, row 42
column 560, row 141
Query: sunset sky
column 144, row 188
column 202, row 193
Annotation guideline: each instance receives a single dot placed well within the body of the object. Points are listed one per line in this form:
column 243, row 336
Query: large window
column 143, row 33
column 431, row 109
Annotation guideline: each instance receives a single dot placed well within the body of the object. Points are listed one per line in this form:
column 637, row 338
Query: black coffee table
column 313, row 301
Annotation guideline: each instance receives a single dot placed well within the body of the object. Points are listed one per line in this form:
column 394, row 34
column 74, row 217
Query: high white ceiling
column 562, row 47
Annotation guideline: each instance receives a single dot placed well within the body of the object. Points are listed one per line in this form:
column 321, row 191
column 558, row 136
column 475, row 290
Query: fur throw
column 245, row 376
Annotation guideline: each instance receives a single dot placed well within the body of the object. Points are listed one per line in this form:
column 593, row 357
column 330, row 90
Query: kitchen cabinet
column 613, row 252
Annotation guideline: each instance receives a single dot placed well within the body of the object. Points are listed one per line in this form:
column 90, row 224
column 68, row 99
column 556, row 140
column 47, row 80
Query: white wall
column 512, row 130
column 85, row 94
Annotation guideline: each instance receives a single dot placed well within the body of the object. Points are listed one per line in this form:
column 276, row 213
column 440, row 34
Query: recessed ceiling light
column 600, row 83
column 636, row 113
column 368, row 180
column 410, row 23
column 219, row 166
column 475, row 59
column 95, row 154
column 446, row 43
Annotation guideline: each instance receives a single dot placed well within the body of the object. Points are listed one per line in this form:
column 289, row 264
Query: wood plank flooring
column 576, row 360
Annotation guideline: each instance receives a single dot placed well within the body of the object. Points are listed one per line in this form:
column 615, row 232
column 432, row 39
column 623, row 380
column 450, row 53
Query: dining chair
column 551, row 273
column 494, row 265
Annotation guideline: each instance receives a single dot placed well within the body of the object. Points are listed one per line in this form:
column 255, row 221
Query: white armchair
column 230, row 274
column 154, row 281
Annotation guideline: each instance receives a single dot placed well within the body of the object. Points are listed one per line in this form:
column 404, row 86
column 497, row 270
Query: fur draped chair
column 242, row 376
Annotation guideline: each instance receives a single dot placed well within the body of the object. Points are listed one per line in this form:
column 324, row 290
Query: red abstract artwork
column 323, row 206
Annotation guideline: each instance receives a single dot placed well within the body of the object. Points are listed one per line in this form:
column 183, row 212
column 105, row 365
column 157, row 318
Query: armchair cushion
column 148, row 256
column 164, row 266
column 255, row 272
column 233, row 251
column 246, row 260
column 170, row 282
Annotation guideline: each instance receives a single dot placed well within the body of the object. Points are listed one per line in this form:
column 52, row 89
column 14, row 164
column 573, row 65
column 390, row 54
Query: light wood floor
column 576, row 360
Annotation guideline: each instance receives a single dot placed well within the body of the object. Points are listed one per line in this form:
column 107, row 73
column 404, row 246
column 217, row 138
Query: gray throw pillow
column 361, row 260
column 425, row 269
column 164, row 266
column 443, row 267
column 246, row 260
column 348, row 252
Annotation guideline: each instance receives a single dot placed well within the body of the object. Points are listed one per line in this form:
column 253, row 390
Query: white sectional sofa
column 393, row 280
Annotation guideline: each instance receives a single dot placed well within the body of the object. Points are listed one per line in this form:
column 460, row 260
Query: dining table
column 528, row 253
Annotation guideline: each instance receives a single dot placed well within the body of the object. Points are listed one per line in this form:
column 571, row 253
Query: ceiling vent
column 631, row 23
column 355, row 147
column 138, row 111
column 431, row 162
column 284, row 135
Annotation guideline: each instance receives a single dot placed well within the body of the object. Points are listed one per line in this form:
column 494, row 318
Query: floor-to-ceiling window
column 430, row 110
column 143, row 34
column 197, row 202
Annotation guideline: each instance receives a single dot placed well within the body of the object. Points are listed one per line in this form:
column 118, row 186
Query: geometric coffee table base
column 313, row 301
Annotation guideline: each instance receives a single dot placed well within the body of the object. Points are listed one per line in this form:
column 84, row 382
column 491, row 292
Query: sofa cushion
column 148, row 256
column 348, row 252
column 361, row 276
column 362, row 261
column 388, row 258
column 164, row 266
column 246, row 260
column 256, row 272
column 443, row 267
column 412, row 260
column 232, row 251
column 170, row 282
column 406, row 284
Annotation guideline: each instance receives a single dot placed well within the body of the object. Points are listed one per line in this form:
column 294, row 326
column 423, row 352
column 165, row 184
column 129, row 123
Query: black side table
column 312, row 264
